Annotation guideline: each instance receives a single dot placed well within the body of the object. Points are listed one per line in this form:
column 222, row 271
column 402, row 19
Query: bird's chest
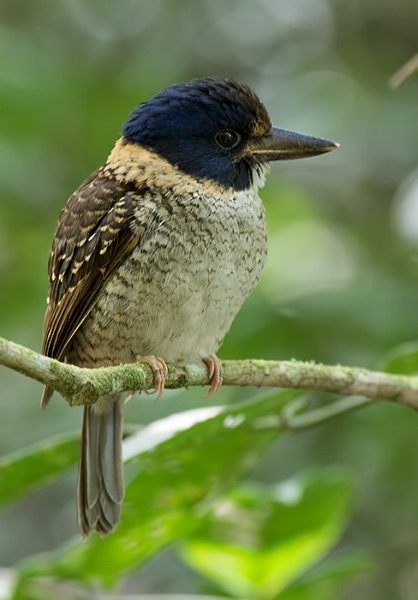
column 206, row 246
column 178, row 293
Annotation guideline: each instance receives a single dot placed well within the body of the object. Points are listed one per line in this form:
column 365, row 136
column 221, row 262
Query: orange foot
column 214, row 366
column 159, row 371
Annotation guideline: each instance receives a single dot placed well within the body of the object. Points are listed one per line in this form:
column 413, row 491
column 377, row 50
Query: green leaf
column 182, row 463
column 326, row 580
column 35, row 466
column 257, row 541
column 402, row 359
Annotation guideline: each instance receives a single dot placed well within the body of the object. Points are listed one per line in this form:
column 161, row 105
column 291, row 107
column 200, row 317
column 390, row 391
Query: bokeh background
column 341, row 284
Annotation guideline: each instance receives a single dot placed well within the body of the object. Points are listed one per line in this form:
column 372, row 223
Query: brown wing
column 94, row 235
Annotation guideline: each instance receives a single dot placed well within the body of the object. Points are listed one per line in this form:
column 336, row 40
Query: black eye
column 227, row 139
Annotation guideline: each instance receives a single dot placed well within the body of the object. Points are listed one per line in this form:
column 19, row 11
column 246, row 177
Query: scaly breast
column 178, row 293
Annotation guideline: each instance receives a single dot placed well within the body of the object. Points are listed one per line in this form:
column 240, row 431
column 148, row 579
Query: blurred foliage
column 342, row 278
column 253, row 542
column 256, row 541
column 170, row 485
column 402, row 359
column 25, row 471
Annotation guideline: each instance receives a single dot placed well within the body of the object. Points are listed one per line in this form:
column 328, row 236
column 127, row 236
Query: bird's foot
column 159, row 371
column 214, row 366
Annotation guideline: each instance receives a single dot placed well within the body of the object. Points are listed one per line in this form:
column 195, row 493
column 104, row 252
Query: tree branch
column 84, row 386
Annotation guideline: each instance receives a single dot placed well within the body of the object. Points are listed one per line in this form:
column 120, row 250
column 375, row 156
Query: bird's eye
column 227, row 139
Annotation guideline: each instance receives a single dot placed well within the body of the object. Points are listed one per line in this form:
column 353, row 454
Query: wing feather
column 95, row 234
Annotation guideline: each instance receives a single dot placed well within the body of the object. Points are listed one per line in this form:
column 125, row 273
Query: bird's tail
column 100, row 476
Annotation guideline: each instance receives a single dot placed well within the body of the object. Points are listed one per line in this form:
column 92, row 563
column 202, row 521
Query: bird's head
column 216, row 129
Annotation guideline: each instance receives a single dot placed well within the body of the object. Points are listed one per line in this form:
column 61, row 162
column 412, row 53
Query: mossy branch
column 84, row 386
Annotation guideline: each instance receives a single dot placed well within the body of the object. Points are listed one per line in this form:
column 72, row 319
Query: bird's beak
column 281, row 144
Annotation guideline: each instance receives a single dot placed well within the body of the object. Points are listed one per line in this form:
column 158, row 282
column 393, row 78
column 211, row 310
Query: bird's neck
column 131, row 162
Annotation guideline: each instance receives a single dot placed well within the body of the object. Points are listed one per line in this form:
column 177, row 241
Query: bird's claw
column 214, row 366
column 159, row 371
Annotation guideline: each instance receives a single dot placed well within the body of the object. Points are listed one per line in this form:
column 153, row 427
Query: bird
column 155, row 253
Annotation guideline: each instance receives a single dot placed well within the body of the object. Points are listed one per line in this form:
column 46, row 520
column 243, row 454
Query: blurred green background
column 341, row 284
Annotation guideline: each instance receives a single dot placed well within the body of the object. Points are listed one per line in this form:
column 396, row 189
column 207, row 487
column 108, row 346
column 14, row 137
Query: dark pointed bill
column 281, row 144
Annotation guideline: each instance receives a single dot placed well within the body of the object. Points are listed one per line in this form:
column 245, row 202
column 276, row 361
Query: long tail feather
column 100, row 476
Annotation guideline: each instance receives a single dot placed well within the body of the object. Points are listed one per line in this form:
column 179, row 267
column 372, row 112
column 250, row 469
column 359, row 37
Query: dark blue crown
column 181, row 123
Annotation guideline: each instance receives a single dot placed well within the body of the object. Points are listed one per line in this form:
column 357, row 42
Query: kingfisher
column 155, row 253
